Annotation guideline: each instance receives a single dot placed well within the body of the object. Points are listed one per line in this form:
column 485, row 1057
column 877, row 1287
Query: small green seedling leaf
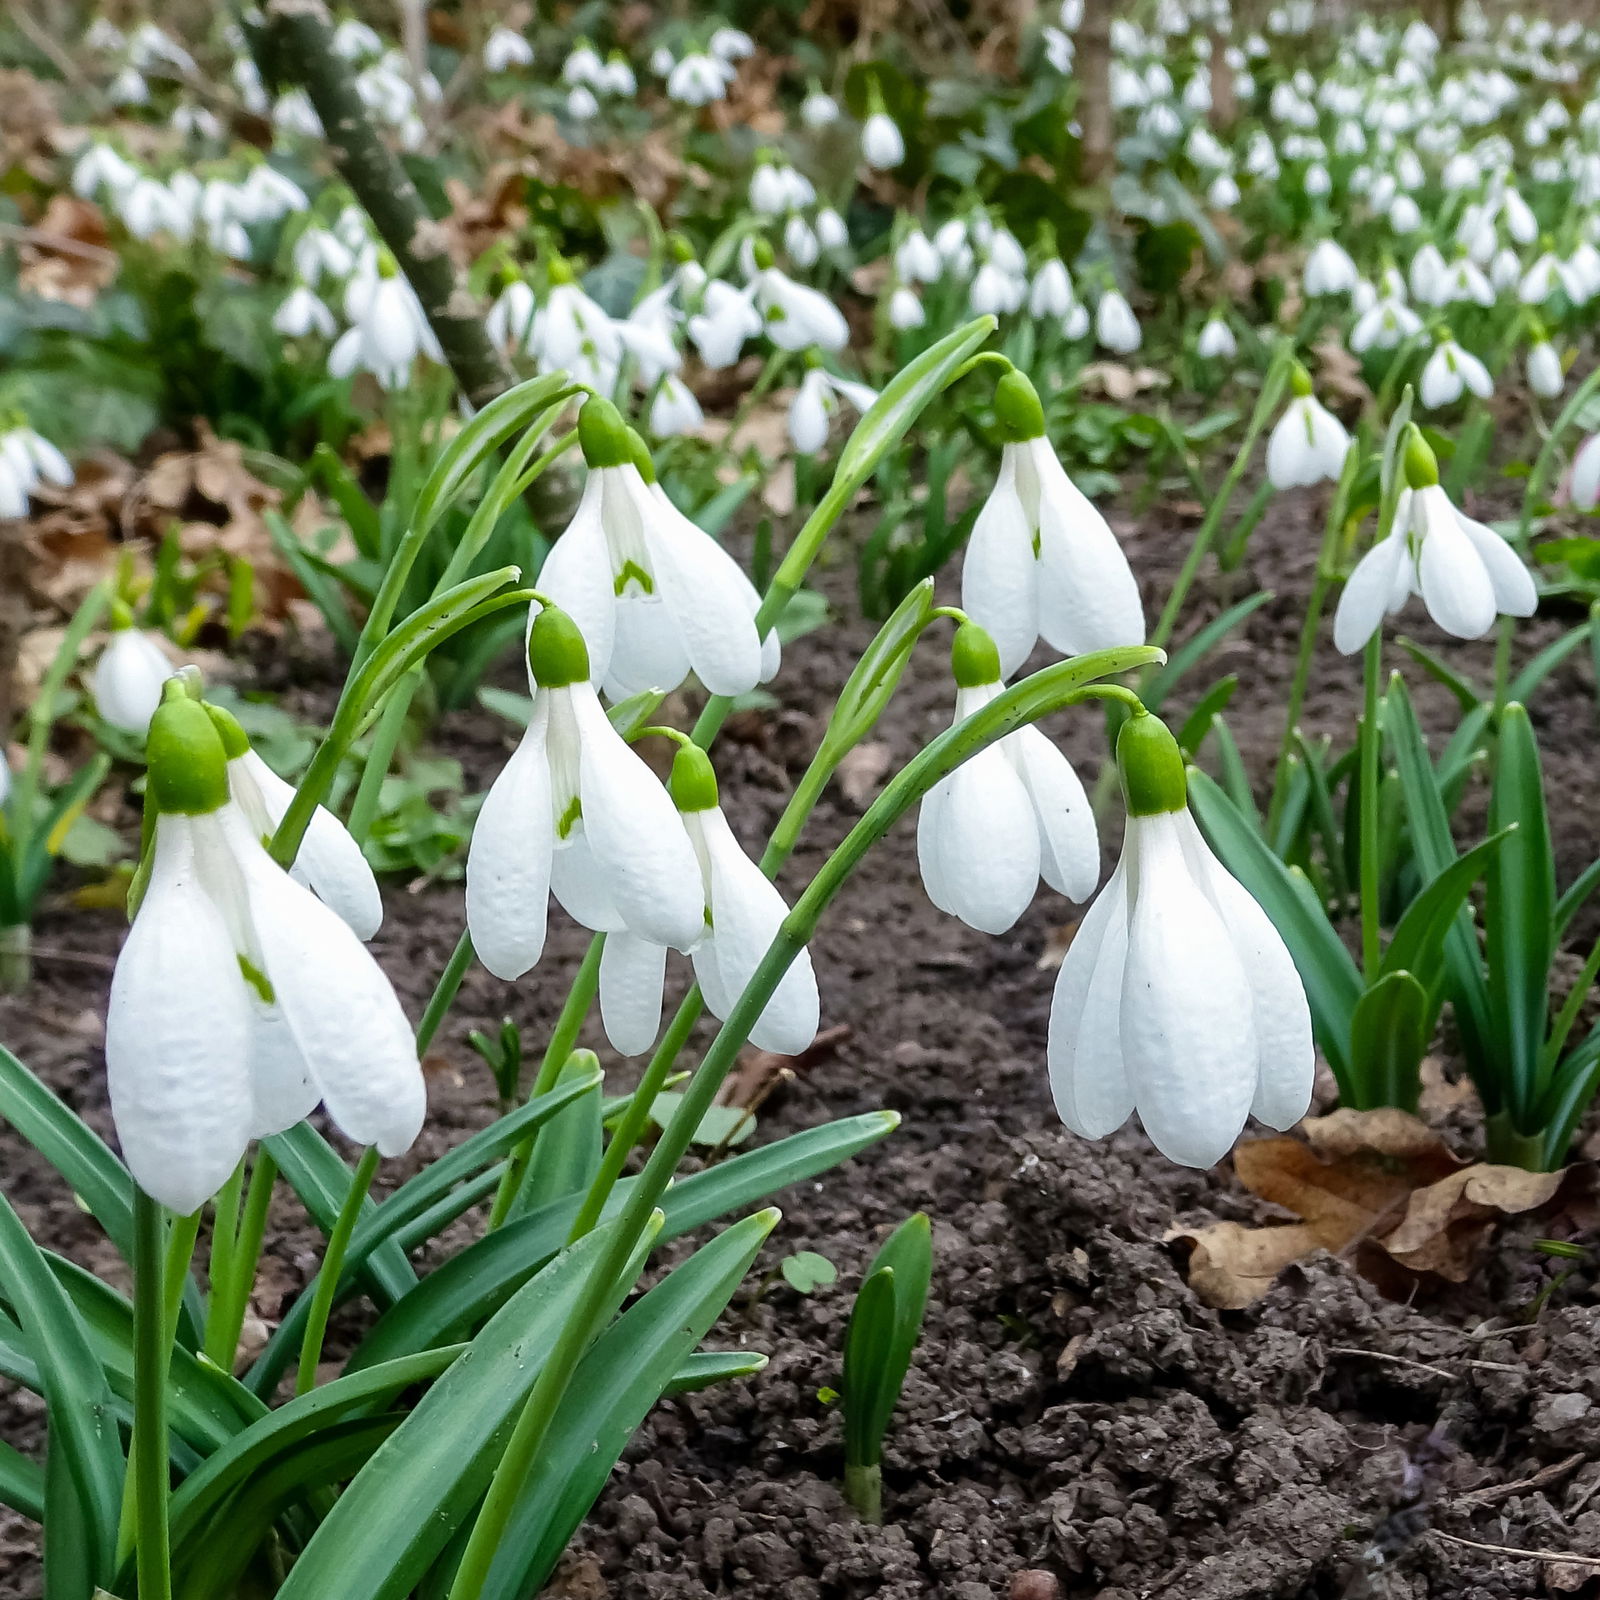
column 806, row 1271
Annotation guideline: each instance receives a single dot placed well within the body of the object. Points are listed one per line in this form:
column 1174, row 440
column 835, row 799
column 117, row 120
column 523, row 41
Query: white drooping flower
column 129, row 676
column 1464, row 572
column 329, row 862
column 800, row 243
column 102, row 168
column 506, row 48
column 916, row 260
column 698, row 79
column 388, row 329
column 793, row 315
column 1051, row 294
column 743, row 914
column 1329, row 270
column 731, row 44
column 28, row 459
column 1115, row 326
column 1385, row 324
column 654, row 597
column 582, row 103
column 816, row 401
column 577, row 814
column 510, row 318
column 994, row 291
column 881, row 144
column 1177, row 999
column 905, row 309
column 832, row 233
column 1012, row 813
column 571, row 333
column 819, row 110
column 674, row 410
column 240, row 1000
column 1583, row 487
column 301, row 314
column 1308, row 443
column 726, row 319
column 1545, row 376
column 1216, row 341
column 1041, row 560
column 583, row 65
column 1449, row 372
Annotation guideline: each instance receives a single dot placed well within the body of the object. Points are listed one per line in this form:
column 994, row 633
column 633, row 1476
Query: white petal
column 1514, row 591
column 178, row 1036
column 1188, row 1041
column 1367, row 592
column 577, row 574
column 281, row 1087
column 580, row 887
column 1069, row 856
column 127, row 680
column 999, row 579
column 1087, row 1078
column 979, row 843
column 1455, row 582
column 648, row 649
column 509, row 859
column 632, row 972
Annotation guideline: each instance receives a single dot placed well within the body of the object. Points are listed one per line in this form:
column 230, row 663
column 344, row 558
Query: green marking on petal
column 570, row 818
column 632, row 572
column 257, row 980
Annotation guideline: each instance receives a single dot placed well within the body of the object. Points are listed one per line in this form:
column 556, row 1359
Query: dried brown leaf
column 1120, row 383
column 861, row 773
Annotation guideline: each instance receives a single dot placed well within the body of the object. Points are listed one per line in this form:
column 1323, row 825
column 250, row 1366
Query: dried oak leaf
column 1120, row 383
column 1378, row 1186
column 1339, row 374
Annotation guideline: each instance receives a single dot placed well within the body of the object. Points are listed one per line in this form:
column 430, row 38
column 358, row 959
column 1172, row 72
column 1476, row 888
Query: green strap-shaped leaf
column 1387, row 1038
column 1572, row 902
column 22, row 1486
column 908, row 1254
column 704, row 1368
column 567, row 1155
column 866, row 1342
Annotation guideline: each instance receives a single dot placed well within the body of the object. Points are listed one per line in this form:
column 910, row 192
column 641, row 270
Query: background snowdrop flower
column 28, row 459
column 129, row 676
column 1545, row 376
column 743, row 914
column 1449, row 371
column 905, row 309
column 832, row 234
column 1009, row 814
column 302, row 313
column 697, row 80
column 654, row 597
column 916, row 260
column 731, row 44
column 583, row 65
column 1583, row 486
column 881, row 144
column 816, row 401
column 727, row 317
column 573, row 334
column 795, row 316
column 1222, row 194
column 819, row 110
column 674, row 410
column 1041, row 560
column 1308, row 443
column 1050, row 294
column 510, row 318
column 239, row 1000
column 1329, row 270
column 1465, row 573
column 799, row 242
column 1115, row 326
column 575, row 813
column 1385, row 324
column 1177, row 998
column 388, row 332
column 506, row 48
column 994, row 292
column 582, row 106
column 1216, row 341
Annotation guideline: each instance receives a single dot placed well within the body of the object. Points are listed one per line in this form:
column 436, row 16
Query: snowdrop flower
column 1545, row 376
column 1464, row 281
column 302, row 313
column 353, row 40
column 617, row 76
column 1216, row 341
column 1465, row 573
column 28, row 459
column 800, row 244
column 240, row 1000
column 583, row 66
column 819, row 110
column 654, row 596
column 697, row 80
column 129, row 676
column 832, row 234
column 1041, row 559
column 727, row 317
column 881, row 144
column 388, row 329
column 905, row 309
column 1384, row 325
column 128, row 88
column 662, row 61
column 743, row 914
column 571, row 333
column 1427, row 275
column 506, row 48
column 582, row 106
column 576, row 813
column 916, row 260
column 1541, row 280
column 794, row 316
column 1317, row 181
column 674, row 410
column 318, row 252
column 1308, row 443
column 1583, row 488
column 1009, row 814
column 1223, row 193
column 1115, row 326
column 1050, row 294
column 1405, row 215
column 731, row 44
column 1448, row 372
column 815, row 402
column 994, row 292
column 1177, row 999
column 101, row 167
column 1076, row 325
column 511, row 316
column 1329, row 270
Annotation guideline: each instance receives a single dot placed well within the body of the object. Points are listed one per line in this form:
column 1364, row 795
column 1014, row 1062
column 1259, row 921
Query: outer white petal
column 746, row 912
column 281, row 1087
column 999, row 578
column 1188, row 1039
column 1286, row 1062
column 178, row 1035
column 508, row 860
column 1584, row 487
column 1291, row 461
column 580, row 887
column 1367, row 592
column 636, row 834
column 127, row 680
column 632, row 972
column 329, row 861
column 1088, row 596
column 577, row 573
column 978, row 844
column 337, row 1003
column 1455, row 583
column 1087, row 1078
column 1514, row 591
column 648, row 650
column 1069, row 853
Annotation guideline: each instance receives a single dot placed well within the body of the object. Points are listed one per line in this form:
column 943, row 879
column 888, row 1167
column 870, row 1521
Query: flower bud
column 974, row 660
column 693, row 783
column 602, row 434
column 1150, row 765
column 1017, row 408
column 188, row 765
column 557, row 655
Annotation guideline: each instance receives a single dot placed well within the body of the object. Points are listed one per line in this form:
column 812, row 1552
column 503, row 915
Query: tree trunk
column 1092, row 68
column 1224, row 97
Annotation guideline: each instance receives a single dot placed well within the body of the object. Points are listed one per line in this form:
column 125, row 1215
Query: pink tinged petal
column 577, row 574
column 980, row 844
column 1286, row 1060
column 1188, row 1039
column 509, row 859
column 1087, row 1078
column 178, row 1035
column 636, row 834
column 338, row 1005
column 999, row 578
column 632, row 972
column 1514, row 591
column 1069, row 853
column 1455, row 583
column 1088, row 596
column 746, row 913
column 1367, row 593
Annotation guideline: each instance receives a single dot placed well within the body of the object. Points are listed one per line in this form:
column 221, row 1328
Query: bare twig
column 59, row 243
column 1570, row 1556
column 1496, row 1492
column 1399, row 1361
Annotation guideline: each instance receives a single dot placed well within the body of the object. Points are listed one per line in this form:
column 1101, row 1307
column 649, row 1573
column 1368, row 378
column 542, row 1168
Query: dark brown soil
column 1076, row 1422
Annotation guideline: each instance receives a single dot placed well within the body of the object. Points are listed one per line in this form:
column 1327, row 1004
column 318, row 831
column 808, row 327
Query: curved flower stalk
column 743, row 914
column 1465, row 573
column 654, row 597
column 1041, row 560
column 1013, row 813
column 1177, row 998
column 1308, row 443
column 240, row 1000
column 576, row 813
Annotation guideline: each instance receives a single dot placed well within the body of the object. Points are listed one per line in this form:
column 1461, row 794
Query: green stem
column 863, row 1488
column 1372, row 667
column 180, row 1252
column 1502, row 662
column 1567, row 1017
column 1018, row 706
column 1505, row 1146
column 1539, row 478
column 230, row 1299
column 224, row 1244
column 327, row 1284
column 380, row 758
column 445, row 991
column 151, row 1354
